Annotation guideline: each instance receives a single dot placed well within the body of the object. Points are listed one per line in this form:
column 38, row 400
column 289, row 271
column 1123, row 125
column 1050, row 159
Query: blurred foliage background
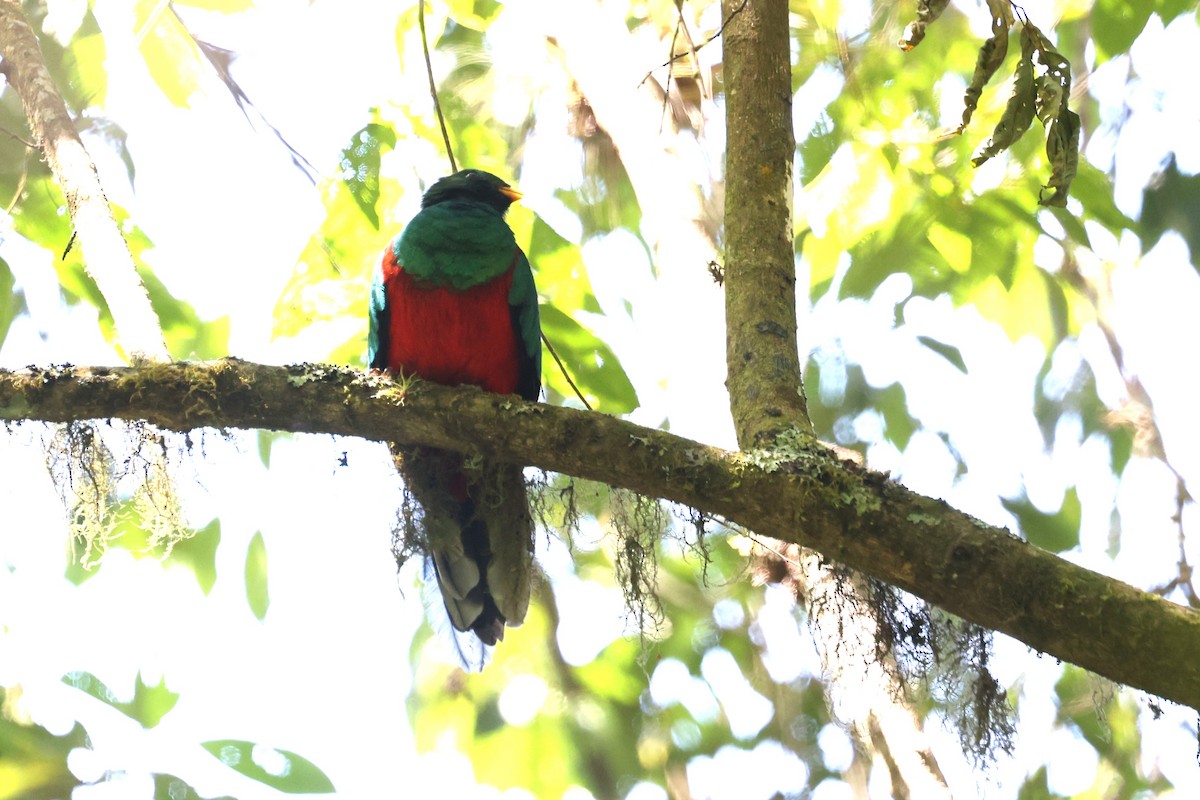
column 1030, row 365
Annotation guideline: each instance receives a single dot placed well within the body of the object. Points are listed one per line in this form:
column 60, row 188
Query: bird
column 454, row 302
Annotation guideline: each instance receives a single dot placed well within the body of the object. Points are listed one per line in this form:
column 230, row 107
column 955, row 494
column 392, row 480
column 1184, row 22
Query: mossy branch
column 807, row 496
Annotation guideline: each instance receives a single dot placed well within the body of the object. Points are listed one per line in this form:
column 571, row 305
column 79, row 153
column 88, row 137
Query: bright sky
column 321, row 663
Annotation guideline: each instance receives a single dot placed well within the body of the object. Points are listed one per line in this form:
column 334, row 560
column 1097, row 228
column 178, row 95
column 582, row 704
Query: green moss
column 17, row 407
column 825, row 478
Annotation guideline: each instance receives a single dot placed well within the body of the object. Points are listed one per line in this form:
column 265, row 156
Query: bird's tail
column 477, row 532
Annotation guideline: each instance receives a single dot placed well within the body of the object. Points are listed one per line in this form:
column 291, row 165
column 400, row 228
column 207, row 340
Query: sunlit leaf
column 148, row 706
column 199, row 554
column 266, row 441
column 325, row 299
column 1056, row 531
column 12, row 303
column 188, row 337
column 899, row 425
column 817, row 148
column 1094, row 190
column 476, row 14
column 590, row 363
column 34, row 763
column 1172, row 201
column 1170, row 9
column 953, row 245
column 360, row 166
column 1108, row 721
column 1116, row 23
column 558, row 266
column 81, row 70
column 171, row 55
column 1121, row 448
column 946, row 351
column 279, row 769
column 257, row 594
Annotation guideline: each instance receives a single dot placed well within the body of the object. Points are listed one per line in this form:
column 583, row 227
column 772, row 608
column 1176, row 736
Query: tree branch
column 107, row 257
column 854, row 516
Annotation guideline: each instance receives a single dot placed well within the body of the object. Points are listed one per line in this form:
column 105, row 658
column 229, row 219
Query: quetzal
column 454, row 302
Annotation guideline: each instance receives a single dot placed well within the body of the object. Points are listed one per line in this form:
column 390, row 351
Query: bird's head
column 473, row 185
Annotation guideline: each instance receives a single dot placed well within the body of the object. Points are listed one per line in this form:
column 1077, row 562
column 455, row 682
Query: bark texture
column 764, row 383
column 803, row 495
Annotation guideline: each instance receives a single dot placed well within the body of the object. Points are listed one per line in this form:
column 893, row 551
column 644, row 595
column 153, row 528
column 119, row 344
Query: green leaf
column 266, row 441
column 946, row 351
column 817, row 148
column 148, row 706
column 1172, row 200
column 561, row 274
column 188, row 337
column 898, row 424
column 279, row 769
column 475, row 14
column 34, row 761
column 256, row 576
column 590, row 363
column 1170, row 9
column 12, row 303
column 1054, row 532
column 1116, row 24
column 199, row 554
column 1094, row 190
column 360, row 166
column 1121, row 447
column 81, row 68
column 171, row 54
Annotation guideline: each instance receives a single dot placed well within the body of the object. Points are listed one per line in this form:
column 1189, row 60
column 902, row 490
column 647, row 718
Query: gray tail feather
column 479, row 539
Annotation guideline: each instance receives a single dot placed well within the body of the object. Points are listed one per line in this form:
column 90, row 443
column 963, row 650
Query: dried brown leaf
column 927, row 12
column 1062, row 149
column 1018, row 112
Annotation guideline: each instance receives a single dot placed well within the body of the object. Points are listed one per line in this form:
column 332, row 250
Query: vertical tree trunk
column 767, row 395
column 765, row 385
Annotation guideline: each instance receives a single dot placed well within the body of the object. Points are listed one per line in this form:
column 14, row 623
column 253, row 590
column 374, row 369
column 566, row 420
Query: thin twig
column 437, row 106
column 9, row 133
column 16, row 198
column 676, row 56
column 563, row 369
column 662, row 119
